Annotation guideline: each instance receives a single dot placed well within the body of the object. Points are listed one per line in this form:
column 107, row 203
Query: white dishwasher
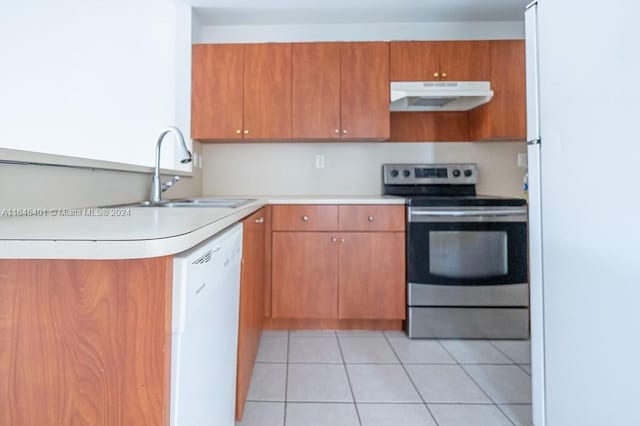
column 206, row 297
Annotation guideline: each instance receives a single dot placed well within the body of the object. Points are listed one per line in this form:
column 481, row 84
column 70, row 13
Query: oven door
column 468, row 256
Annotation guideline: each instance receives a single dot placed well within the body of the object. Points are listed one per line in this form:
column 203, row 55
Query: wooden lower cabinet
column 85, row 342
column 371, row 272
column 305, row 275
column 252, row 293
column 338, row 275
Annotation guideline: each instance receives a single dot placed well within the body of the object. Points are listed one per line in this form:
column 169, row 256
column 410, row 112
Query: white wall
column 93, row 79
column 36, row 186
column 350, row 168
column 359, row 32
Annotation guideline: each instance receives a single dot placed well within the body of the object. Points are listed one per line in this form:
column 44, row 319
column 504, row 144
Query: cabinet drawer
column 305, row 218
column 371, row 218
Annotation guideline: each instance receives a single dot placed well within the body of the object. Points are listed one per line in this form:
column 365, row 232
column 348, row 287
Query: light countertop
column 139, row 232
column 332, row 199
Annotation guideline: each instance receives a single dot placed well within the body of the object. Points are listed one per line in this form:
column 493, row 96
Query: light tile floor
column 342, row 378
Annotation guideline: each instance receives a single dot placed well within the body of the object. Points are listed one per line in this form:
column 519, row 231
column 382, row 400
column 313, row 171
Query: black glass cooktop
column 463, row 201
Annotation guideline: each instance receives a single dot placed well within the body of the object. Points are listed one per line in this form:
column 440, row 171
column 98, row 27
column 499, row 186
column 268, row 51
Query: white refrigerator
column 583, row 120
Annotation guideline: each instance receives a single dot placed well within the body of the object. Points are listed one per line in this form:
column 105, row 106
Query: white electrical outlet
column 522, row 159
column 319, row 161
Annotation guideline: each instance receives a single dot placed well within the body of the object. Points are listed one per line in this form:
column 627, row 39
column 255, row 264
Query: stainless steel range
column 466, row 254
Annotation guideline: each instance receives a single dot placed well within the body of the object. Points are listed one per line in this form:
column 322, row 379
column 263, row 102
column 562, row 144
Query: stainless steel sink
column 228, row 203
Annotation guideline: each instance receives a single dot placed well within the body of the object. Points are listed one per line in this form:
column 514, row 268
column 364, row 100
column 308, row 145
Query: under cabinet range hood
column 439, row 95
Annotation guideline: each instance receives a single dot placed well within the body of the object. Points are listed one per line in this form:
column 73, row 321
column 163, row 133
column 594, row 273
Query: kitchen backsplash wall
column 350, row 168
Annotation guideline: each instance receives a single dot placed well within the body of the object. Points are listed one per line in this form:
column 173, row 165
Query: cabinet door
column 305, row 217
column 305, row 275
column 365, row 91
column 415, row 60
column 371, row 218
column 445, row 126
column 372, row 275
column 216, row 88
column 251, row 303
column 504, row 117
column 315, row 96
column 464, row 60
column 267, row 91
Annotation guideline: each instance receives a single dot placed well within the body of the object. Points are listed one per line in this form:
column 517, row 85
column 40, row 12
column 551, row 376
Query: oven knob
column 456, row 173
column 394, row 173
column 406, row 173
column 468, row 173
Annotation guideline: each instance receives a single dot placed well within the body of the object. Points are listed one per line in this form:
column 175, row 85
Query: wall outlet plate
column 320, row 161
column 522, row 159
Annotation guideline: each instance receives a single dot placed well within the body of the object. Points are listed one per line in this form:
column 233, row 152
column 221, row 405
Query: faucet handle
column 169, row 184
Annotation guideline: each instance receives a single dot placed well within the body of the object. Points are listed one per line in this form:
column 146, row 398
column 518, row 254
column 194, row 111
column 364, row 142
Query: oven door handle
column 474, row 213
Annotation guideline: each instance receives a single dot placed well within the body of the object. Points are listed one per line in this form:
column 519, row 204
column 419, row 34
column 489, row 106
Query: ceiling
column 282, row 12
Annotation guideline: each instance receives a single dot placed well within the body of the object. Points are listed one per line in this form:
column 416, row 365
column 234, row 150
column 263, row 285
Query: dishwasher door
column 206, row 297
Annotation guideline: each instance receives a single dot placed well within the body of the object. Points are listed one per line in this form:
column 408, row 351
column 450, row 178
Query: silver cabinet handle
column 342, row 240
column 371, row 218
column 305, row 218
column 334, row 239
column 260, row 220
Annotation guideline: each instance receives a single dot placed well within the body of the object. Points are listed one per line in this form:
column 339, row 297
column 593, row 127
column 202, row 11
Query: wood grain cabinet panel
column 304, row 217
column 216, row 95
column 504, row 117
column 252, row 292
column 267, row 91
column 414, row 60
column 371, row 218
column 85, row 342
column 445, row 126
column 372, row 275
column 315, row 112
column 439, row 60
column 305, row 275
column 464, row 60
column 365, row 91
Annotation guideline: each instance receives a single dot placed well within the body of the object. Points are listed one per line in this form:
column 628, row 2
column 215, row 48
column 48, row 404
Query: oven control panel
column 430, row 174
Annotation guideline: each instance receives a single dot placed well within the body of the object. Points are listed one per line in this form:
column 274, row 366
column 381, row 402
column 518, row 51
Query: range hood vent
column 439, row 95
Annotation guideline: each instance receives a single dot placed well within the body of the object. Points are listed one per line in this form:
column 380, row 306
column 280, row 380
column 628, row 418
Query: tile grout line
column 476, row 383
column 346, row 371
column 525, row 371
column 410, row 379
column 501, row 351
column 286, row 379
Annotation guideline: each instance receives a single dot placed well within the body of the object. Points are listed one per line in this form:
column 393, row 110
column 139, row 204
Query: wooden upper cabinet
column 267, row 91
column 464, row 60
column 365, row 91
column 216, row 98
column 315, row 97
column 414, row 60
column 504, row 117
column 439, row 60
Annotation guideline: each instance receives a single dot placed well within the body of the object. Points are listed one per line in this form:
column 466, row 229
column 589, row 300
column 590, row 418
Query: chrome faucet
column 157, row 187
